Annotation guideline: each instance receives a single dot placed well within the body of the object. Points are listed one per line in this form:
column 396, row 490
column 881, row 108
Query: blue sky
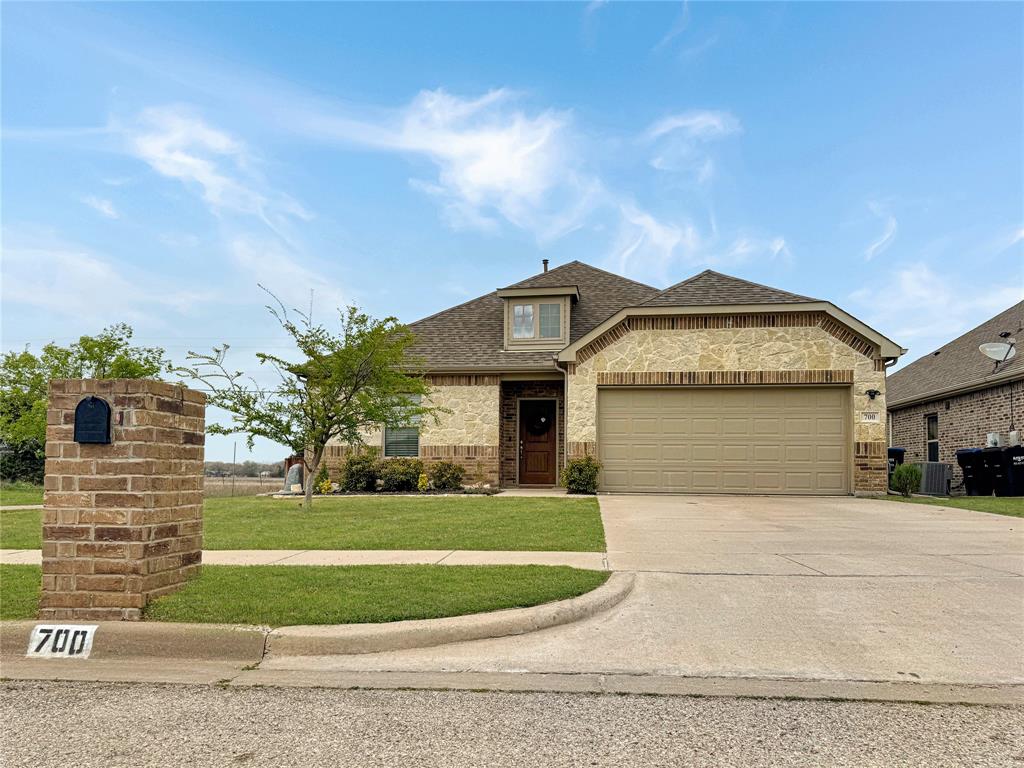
column 161, row 160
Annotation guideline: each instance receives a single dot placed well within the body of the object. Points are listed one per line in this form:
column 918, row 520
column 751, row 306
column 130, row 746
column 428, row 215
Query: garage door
column 724, row 440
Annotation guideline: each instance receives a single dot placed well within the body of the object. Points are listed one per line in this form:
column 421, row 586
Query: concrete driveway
column 823, row 589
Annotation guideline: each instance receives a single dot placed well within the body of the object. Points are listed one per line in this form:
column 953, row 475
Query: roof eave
column 959, row 389
column 887, row 348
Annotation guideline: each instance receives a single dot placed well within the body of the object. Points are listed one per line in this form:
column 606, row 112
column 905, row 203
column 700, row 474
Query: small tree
column 360, row 378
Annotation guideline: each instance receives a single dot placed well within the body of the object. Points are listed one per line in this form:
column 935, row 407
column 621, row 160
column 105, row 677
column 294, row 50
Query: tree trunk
column 318, row 455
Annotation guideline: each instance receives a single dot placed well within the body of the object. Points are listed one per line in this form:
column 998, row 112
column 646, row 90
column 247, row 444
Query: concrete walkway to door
column 816, row 589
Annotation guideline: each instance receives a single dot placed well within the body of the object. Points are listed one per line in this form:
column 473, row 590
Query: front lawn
column 283, row 595
column 1013, row 506
column 378, row 522
column 21, row 529
column 15, row 494
column 19, row 591
column 402, row 522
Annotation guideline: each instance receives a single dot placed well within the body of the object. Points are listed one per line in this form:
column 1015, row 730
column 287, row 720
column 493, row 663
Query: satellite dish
column 998, row 351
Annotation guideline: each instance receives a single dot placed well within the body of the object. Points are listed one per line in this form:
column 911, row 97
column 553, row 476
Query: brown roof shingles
column 471, row 335
column 710, row 287
column 958, row 365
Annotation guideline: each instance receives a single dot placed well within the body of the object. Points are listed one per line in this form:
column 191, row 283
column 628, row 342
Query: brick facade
column 511, row 393
column 122, row 523
column 964, row 421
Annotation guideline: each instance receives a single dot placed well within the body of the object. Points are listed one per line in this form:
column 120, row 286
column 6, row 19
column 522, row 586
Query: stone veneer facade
column 964, row 422
column 468, row 435
column 122, row 523
column 781, row 348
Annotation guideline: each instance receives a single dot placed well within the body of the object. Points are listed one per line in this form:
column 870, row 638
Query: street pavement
column 113, row 725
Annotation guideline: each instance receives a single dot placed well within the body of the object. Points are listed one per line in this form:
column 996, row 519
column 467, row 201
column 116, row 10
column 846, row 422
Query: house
column 713, row 385
column 953, row 397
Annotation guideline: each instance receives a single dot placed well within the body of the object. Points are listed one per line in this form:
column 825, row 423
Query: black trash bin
column 1009, row 477
column 895, row 459
column 975, row 483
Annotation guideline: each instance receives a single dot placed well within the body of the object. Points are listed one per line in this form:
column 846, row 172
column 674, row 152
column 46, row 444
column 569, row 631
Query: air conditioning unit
column 936, row 478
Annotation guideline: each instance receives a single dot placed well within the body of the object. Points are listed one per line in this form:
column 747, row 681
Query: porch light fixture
column 872, row 393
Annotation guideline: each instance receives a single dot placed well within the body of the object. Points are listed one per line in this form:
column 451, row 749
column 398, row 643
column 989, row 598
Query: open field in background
column 281, row 595
column 377, row 522
column 220, row 487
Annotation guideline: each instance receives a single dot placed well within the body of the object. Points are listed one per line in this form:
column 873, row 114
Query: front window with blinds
column 403, row 441
column 931, row 435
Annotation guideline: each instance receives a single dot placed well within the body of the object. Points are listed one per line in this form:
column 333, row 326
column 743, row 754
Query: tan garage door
column 724, row 440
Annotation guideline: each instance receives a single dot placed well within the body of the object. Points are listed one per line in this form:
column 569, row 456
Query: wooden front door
column 538, row 447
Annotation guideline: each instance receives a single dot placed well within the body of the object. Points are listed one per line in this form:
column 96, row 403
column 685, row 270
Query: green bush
column 423, row 485
column 447, row 476
column 401, row 474
column 359, row 474
column 580, row 475
column 906, row 479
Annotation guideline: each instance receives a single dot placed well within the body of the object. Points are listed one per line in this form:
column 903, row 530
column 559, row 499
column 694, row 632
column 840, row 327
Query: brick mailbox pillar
column 122, row 521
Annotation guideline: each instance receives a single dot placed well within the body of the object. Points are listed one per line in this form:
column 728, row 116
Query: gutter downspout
column 888, row 422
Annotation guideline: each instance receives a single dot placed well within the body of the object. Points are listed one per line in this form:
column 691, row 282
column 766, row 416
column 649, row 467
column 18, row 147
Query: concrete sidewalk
column 591, row 560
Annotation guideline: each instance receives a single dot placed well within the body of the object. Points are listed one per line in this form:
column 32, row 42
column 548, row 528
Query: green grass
column 994, row 504
column 397, row 522
column 282, row 595
column 386, row 522
column 19, row 591
column 21, row 529
column 13, row 494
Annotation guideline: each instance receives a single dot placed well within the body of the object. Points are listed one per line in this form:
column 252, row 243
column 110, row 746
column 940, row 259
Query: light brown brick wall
column 964, row 421
column 122, row 523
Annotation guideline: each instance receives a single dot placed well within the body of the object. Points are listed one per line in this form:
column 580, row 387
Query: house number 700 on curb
column 49, row 641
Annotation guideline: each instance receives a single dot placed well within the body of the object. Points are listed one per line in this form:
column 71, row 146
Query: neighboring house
column 714, row 385
column 953, row 397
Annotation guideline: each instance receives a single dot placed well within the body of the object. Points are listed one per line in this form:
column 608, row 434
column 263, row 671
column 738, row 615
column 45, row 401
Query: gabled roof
column 712, row 288
column 959, row 366
column 472, row 335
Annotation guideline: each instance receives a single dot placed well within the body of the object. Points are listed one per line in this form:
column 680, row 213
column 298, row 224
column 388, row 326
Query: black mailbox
column 92, row 421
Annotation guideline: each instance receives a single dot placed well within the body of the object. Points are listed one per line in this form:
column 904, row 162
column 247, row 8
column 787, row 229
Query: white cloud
column 697, row 124
column 682, row 21
column 680, row 141
column 649, row 249
column 71, row 281
column 922, row 309
column 272, row 265
column 885, row 240
column 495, row 159
column 179, row 144
column 102, row 206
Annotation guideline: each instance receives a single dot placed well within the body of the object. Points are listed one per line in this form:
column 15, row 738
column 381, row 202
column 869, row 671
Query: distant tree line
column 243, row 469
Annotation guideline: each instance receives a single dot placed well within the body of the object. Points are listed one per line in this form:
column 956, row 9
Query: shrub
column 359, row 473
column 423, row 485
column 580, row 475
column 906, row 479
column 447, row 475
column 400, row 474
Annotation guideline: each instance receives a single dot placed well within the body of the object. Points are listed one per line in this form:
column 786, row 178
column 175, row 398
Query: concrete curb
column 136, row 640
column 402, row 635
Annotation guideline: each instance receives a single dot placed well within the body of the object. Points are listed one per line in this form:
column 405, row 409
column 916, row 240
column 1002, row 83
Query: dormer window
column 537, row 319
column 525, row 325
